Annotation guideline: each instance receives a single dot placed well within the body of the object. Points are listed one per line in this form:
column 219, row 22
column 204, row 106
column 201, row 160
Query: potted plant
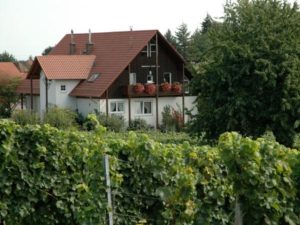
column 165, row 87
column 150, row 88
column 138, row 88
column 176, row 87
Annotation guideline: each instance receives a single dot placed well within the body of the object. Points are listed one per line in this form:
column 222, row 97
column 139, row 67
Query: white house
column 125, row 73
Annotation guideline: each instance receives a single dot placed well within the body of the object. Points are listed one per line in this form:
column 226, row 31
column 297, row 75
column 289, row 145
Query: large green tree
column 182, row 37
column 170, row 37
column 250, row 78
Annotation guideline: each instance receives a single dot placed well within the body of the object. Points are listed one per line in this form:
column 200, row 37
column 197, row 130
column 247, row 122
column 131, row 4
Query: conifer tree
column 182, row 36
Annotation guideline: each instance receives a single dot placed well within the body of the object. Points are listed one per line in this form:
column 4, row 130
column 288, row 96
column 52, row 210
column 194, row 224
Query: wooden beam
column 157, row 86
column 129, row 96
column 183, row 94
column 31, row 93
column 22, row 102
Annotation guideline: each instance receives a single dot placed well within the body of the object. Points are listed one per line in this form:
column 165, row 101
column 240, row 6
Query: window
column 93, row 77
column 117, row 107
column 63, row 88
column 144, row 107
column 150, row 77
column 168, row 77
column 132, row 78
column 149, row 49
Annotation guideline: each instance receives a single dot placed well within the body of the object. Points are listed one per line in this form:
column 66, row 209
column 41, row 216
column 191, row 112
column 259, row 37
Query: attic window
column 93, row 77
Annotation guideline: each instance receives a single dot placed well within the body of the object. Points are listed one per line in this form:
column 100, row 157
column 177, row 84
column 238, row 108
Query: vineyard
column 49, row 176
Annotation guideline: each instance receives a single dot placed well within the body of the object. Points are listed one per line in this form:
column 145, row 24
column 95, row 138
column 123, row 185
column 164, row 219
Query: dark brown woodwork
column 129, row 98
column 156, row 80
column 106, row 97
column 31, row 93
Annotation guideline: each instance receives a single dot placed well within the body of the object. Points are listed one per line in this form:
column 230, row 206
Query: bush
column 172, row 120
column 24, row 117
column 112, row 123
column 60, row 118
column 139, row 124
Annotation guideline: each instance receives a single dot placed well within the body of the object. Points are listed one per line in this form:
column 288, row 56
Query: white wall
column 88, row 105
column 56, row 97
column 36, row 103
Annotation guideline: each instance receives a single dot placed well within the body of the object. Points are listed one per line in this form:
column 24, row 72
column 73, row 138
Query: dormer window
column 150, row 77
column 93, row 77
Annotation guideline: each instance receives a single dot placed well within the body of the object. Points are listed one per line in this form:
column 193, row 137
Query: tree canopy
column 249, row 79
column 47, row 50
column 6, row 57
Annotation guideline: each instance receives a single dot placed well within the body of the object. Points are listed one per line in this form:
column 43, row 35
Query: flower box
column 138, row 88
column 165, row 87
column 150, row 89
column 177, row 87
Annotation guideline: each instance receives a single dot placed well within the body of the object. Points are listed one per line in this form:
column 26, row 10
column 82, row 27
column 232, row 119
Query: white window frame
column 142, row 109
column 132, row 78
column 65, row 88
column 117, row 108
column 170, row 77
column 150, row 75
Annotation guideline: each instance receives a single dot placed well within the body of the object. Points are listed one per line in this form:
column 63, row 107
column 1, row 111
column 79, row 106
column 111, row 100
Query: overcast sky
column 27, row 27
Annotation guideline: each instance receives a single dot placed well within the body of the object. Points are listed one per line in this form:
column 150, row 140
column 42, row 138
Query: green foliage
column 261, row 177
column 6, row 57
column 170, row 38
column 50, row 176
column 60, row 118
column 139, row 124
column 112, row 122
column 47, row 50
column 182, row 36
column 24, row 117
column 249, row 79
column 8, row 96
column 172, row 120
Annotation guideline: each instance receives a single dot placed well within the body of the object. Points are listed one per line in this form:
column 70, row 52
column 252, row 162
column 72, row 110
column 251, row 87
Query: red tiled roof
column 9, row 70
column 65, row 67
column 113, row 50
column 24, row 87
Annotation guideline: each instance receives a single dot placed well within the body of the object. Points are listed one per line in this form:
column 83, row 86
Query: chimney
column 72, row 44
column 89, row 44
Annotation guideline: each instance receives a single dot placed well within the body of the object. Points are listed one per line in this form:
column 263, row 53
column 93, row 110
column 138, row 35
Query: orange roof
column 65, row 67
column 9, row 70
column 113, row 50
column 24, row 87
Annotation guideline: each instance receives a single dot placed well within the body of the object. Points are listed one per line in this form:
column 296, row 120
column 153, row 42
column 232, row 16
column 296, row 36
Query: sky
column 27, row 27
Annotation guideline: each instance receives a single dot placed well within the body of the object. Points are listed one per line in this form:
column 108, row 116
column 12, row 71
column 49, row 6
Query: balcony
column 149, row 90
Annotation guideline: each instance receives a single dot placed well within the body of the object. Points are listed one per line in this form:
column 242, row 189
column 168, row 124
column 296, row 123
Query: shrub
column 24, row 117
column 172, row 120
column 60, row 118
column 139, row 124
column 112, row 123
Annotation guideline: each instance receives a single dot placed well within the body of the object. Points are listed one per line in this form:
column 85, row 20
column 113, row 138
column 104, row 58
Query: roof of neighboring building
column 64, row 67
column 24, row 87
column 9, row 70
column 113, row 51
